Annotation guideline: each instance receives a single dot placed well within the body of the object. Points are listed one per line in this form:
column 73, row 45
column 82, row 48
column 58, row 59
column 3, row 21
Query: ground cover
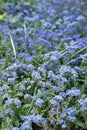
column 43, row 65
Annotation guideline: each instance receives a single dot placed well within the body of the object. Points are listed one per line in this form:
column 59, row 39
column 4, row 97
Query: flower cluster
column 43, row 65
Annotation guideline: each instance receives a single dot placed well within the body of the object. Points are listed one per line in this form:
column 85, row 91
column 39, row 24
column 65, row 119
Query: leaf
column 24, row 109
column 20, row 94
column 29, row 87
column 86, row 122
column 26, row 106
column 7, row 125
column 14, row 50
column 3, row 16
column 81, row 124
column 15, row 121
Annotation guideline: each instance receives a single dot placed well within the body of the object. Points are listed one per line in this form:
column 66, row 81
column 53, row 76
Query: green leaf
column 12, row 19
column 26, row 106
column 7, row 125
column 3, row 16
column 15, row 121
column 81, row 124
column 20, row 94
column 29, row 87
column 86, row 122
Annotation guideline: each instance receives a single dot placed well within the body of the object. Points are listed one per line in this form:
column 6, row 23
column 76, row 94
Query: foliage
column 43, row 65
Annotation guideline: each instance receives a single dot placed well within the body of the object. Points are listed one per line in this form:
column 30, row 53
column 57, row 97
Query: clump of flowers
column 44, row 85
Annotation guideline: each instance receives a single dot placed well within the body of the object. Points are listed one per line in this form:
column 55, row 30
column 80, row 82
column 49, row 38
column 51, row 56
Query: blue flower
column 22, row 88
column 37, row 119
column 14, row 66
column 31, row 67
column 64, row 125
column 61, row 121
column 26, row 125
column 83, row 102
column 78, row 69
column 59, row 98
column 73, row 92
column 42, row 70
column 27, row 96
column 71, row 118
column 48, row 84
column 39, row 102
column 17, row 102
column 52, row 112
column 11, row 80
column 9, row 111
column 74, row 62
column 13, row 74
column 71, row 111
column 5, row 87
column 2, row 116
column 55, row 89
column 15, row 128
column 83, row 109
column 51, row 75
column 9, row 101
column 4, row 76
column 5, row 96
column 81, row 18
column 65, row 69
column 55, row 103
column 29, row 119
column 32, row 82
column 36, row 75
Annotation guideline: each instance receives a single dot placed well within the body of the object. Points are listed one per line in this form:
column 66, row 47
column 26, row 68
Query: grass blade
column 12, row 43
